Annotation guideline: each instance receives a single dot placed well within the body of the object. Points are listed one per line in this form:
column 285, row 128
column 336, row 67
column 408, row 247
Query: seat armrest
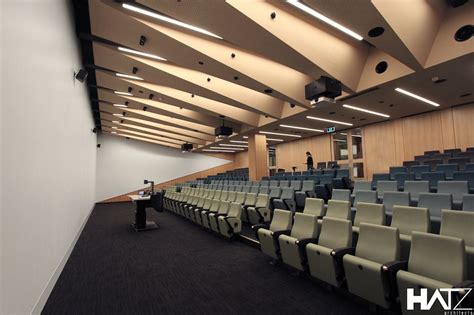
column 465, row 284
column 338, row 253
column 257, row 227
column 389, row 273
column 305, row 241
column 276, row 234
column 463, row 300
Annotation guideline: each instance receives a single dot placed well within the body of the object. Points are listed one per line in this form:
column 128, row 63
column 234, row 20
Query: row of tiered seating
column 435, row 157
column 367, row 257
column 237, row 174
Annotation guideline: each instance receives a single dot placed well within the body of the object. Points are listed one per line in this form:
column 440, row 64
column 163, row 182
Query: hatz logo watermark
column 447, row 304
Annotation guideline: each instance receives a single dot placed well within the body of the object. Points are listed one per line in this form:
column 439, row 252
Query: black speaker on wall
column 81, row 75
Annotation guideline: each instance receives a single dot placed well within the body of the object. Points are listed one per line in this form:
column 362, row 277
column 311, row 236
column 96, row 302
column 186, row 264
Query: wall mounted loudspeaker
column 81, row 75
column 323, row 87
column 186, row 147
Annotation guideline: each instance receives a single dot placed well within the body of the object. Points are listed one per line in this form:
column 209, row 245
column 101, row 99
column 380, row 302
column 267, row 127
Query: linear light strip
column 236, row 141
column 120, row 105
column 329, row 120
column 222, row 151
column 268, row 139
column 416, row 96
column 233, row 145
column 221, row 148
column 168, row 20
column 365, row 110
column 325, row 19
column 280, row 134
column 301, row 128
column 128, row 76
column 136, row 52
column 123, row 93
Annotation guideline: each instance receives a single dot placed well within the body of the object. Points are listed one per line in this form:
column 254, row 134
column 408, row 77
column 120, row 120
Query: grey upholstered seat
column 395, row 198
column 230, row 224
column 260, row 213
column 282, row 221
column 456, row 188
column 415, row 188
column 377, row 245
column 286, row 201
column 385, row 185
column 372, row 213
column 314, row 206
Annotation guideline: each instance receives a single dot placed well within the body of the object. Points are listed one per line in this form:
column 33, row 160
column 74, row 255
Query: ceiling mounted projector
column 323, row 87
column 186, row 147
column 223, row 132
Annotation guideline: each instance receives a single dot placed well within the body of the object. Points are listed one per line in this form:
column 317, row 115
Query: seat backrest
column 447, row 168
column 274, row 183
column 469, row 167
column 433, row 177
column 314, row 206
column 264, row 183
column 464, row 176
column 369, row 213
column 231, row 196
column 275, row 192
column 467, row 202
column 386, row 185
column 207, row 203
column 419, row 169
column 392, row 198
column 238, row 188
column 431, row 152
column 335, row 233
column 224, row 195
column 250, row 199
column 362, row 185
column 321, row 165
column 401, row 178
column 339, row 209
column 326, row 179
column 409, row 219
column 304, row 226
column 282, row 220
column 437, row 257
column 435, row 202
column 234, row 210
column 342, row 173
column 214, row 205
column 377, row 177
column 240, row 197
column 458, row 224
column 409, row 164
column 264, row 190
column 416, row 187
column 396, row 170
column 287, row 193
column 296, row 185
column 341, row 194
column 223, row 207
column 246, row 189
column 254, row 189
column 308, row 185
column 284, row 183
column 462, row 161
column 378, row 243
column 456, row 188
column 262, row 201
column 454, row 150
column 217, row 194
column 365, row 196
column 331, row 172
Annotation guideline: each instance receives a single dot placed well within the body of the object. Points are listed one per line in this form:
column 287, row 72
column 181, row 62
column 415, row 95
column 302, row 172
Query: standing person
column 309, row 161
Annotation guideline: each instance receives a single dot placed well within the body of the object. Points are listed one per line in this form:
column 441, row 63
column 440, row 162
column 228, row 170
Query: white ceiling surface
column 195, row 95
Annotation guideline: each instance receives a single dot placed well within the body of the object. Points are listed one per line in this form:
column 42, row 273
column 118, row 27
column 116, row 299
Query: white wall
column 48, row 149
column 123, row 164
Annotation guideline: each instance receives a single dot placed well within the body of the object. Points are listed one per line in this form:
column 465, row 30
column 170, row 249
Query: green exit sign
column 330, row 129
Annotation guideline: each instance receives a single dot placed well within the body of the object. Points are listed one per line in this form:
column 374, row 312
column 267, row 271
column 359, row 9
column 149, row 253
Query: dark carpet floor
column 178, row 269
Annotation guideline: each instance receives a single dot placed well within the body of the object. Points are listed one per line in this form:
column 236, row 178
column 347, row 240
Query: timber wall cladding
column 390, row 143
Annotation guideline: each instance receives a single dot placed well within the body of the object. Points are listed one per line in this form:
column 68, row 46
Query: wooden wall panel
column 379, row 145
column 241, row 159
column 463, row 122
column 258, row 157
column 422, row 133
column 447, row 129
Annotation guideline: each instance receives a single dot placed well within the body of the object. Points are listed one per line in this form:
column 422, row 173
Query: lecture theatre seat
column 314, row 206
column 460, row 224
column 361, row 185
column 457, row 189
column 230, row 223
column 395, row 198
column 250, row 200
column 292, row 247
column 408, row 220
column 377, row 248
column 435, row 262
column 368, row 196
column 268, row 235
column 325, row 257
column 401, row 178
column 435, row 203
column 307, row 191
column 372, row 213
column 385, row 185
column 286, row 200
column 468, row 203
column 414, row 188
column 221, row 211
column 260, row 213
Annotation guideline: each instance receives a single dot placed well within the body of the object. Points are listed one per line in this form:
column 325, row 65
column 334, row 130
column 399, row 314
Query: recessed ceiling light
column 233, row 145
column 123, row 93
column 416, row 96
column 120, row 105
column 280, row 134
column 221, row 148
column 325, row 19
column 365, row 110
column 168, row 19
column 222, row 151
column 128, row 76
column 301, row 128
column 277, row 140
column 136, row 52
column 329, row 120
column 236, row 141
